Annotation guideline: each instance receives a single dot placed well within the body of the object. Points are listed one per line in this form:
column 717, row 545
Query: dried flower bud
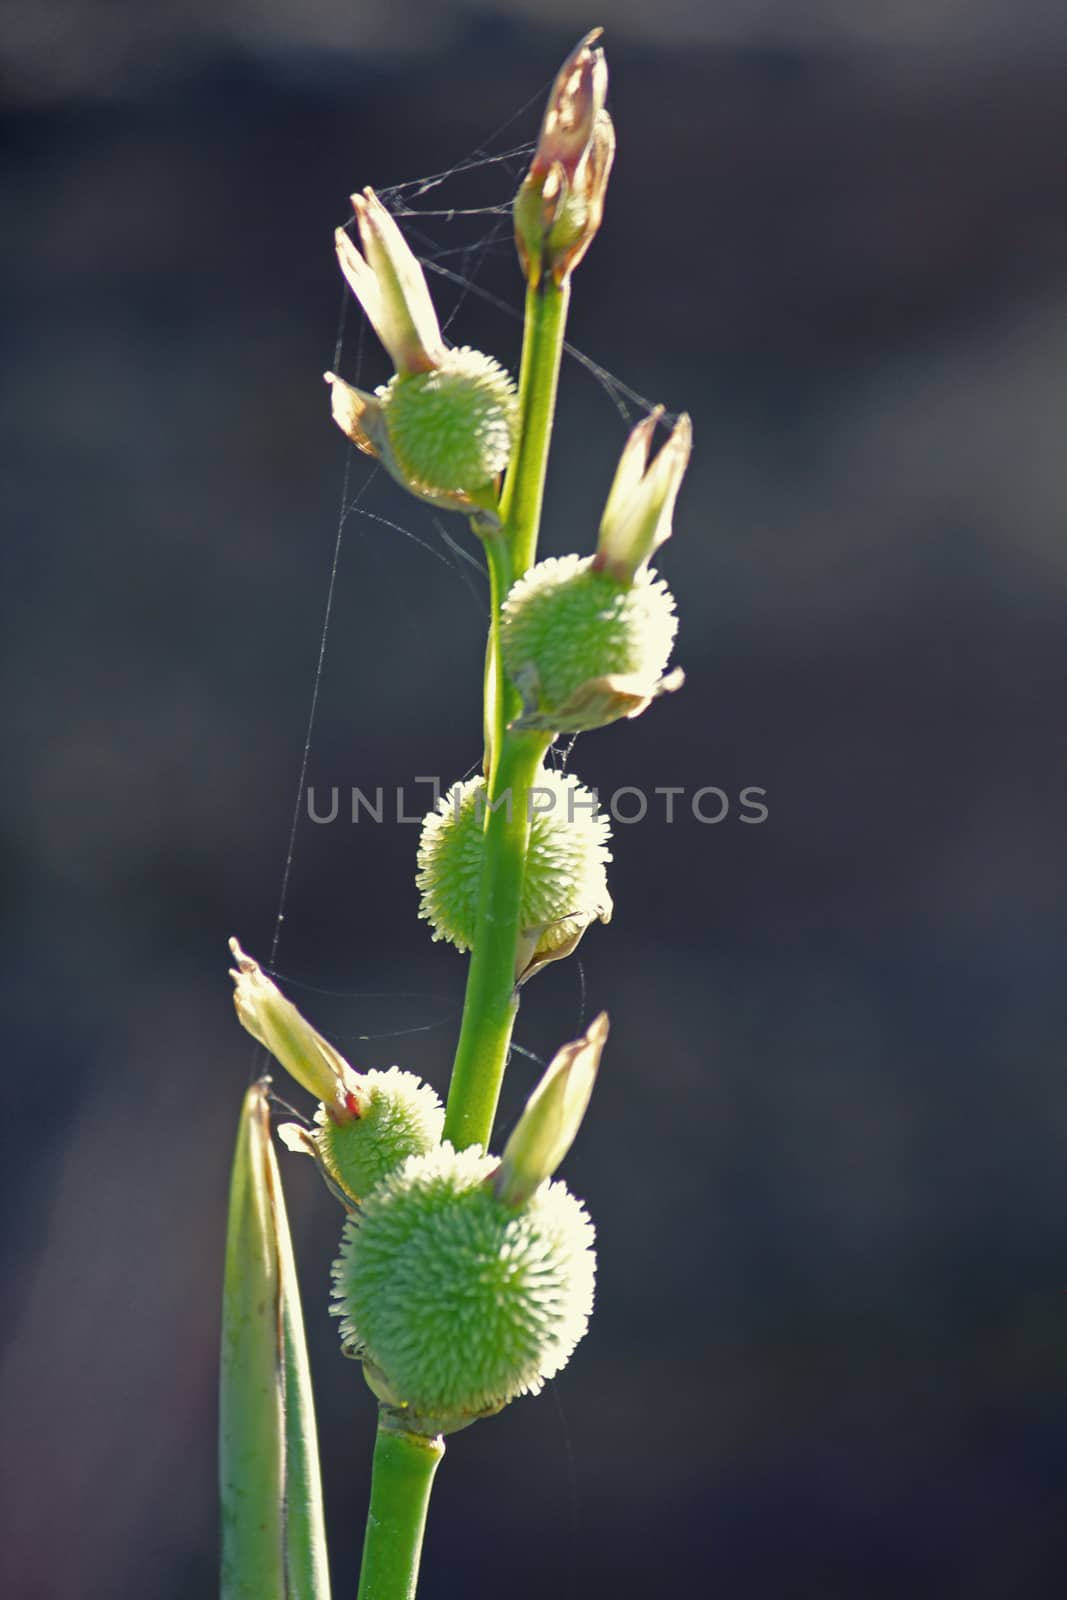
column 391, row 287
column 576, row 100
column 560, row 204
column 565, row 887
column 640, row 504
column 445, row 424
column 367, row 1124
column 275, row 1022
column 454, row 1302
column 584, row 648
column 549, row 1124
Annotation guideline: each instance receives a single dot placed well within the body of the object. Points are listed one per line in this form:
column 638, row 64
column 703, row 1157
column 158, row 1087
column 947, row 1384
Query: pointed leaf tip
column 273, row 1538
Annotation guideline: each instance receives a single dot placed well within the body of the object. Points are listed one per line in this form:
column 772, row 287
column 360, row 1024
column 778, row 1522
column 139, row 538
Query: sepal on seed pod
column 549, row 1124
column 587, row 640
column 276, row 1024
column 640, row 505
column 565, row 887
column 444, row 425
column 367, row 1124
column 390, row 285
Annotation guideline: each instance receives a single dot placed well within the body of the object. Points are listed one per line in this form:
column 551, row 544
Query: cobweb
column 458, row 221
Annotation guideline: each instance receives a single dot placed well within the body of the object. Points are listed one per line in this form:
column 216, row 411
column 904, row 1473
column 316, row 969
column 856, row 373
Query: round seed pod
column 584, row 647
column 565, row 886
column 455, row 1302
column 451, row 429
column 399, row 1116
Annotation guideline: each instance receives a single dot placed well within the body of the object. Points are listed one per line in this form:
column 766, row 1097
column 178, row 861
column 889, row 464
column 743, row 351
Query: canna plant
column 463, row 1279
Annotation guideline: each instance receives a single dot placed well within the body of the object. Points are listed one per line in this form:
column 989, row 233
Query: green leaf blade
column 273, row 1539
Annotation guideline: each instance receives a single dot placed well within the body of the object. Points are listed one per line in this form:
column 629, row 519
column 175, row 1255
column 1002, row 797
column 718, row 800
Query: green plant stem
column 542, row 351
column 401, row 1479
column 501, row 701
column 513, row 759
column 492, row 999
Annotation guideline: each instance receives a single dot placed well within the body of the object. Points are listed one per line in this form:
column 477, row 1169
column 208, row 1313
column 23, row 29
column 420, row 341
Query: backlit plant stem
column 401, row 1479
column 513, row 759
column 542, row 350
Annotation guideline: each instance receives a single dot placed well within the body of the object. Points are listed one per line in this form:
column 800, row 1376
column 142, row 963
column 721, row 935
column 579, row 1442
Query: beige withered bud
column 560, row 204
column 272, row 1020
column 389, row 284
column 367, row 1123
column 576, row 100
column 443, row 426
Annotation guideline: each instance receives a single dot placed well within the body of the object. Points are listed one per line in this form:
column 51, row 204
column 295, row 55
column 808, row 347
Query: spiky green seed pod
column 455, row 1302
column 565, row 886
column 584, row 647
column 451, row 429
column 399, row 1116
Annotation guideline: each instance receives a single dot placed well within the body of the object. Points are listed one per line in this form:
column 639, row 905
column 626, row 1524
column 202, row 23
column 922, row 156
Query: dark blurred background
column 827, row 1152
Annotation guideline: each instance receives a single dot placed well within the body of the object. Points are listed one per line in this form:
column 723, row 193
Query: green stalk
column 513, row 759
column 542, row 351
column 492, row 999
column 401, row 1479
